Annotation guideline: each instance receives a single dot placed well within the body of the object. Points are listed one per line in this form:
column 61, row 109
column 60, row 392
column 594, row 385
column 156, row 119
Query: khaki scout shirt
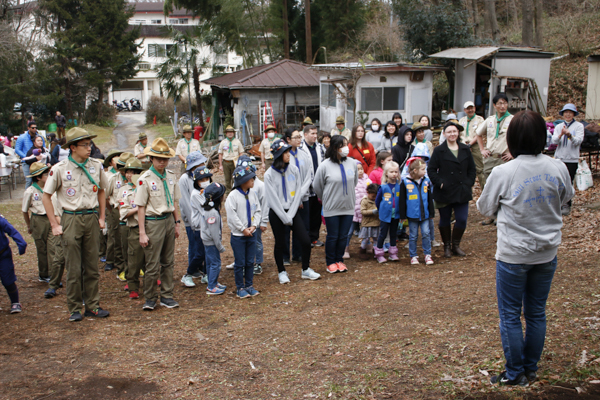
column 476, row 122
column 265, row 148
column 115, row 183
column 126, row 204
column 74, row 190
column 183, row 148
column 139, row 149
column 496, row 146
column 150, row 193
column 347, row 133
column 236, row 149
column 32, row 201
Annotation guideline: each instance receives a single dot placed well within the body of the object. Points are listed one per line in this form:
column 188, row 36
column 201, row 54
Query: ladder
column 265, row 111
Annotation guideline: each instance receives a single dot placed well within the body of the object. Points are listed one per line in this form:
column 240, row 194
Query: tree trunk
column 514, row 15
column 286, row 32
column 527, row 28
column 68, row 100
column 308, row 33
column 100, row 100
column 475, row 10
column 196, row 77
column 539, row 33
column 490, row 11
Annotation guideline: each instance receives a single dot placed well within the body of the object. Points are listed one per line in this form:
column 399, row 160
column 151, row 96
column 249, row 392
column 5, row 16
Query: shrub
column 103, row 116
column 160, row 108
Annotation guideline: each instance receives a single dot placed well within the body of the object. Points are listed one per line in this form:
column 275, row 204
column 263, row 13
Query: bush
column 104, row 116
column 160, row 108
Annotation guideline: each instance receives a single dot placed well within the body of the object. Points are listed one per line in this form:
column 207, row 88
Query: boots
column 369, row 248
column 393, row 253
column 446, row 233
column 379, row 255
column 457, row 235
column 362, row 253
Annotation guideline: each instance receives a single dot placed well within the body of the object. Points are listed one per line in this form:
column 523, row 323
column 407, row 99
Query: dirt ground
column 380, row 331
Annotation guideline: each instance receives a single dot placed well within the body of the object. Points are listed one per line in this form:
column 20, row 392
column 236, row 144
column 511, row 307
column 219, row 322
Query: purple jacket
column 361, row 192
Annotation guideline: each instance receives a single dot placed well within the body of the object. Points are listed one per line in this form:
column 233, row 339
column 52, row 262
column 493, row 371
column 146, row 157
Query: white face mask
column 271, row 135
column 375, row 128
column 204, row 185
column 344, row 151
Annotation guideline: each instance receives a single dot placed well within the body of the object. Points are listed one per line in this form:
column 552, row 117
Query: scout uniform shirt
column 75, row 191
column 347, row 133
column 496, row 138
column 265, row 148
column 32, row 201
column 151, row 193
column 126, row 204
column 139, row 149
column 231, row 149
column 470, row 128
column 115, row 184
column 184, row 148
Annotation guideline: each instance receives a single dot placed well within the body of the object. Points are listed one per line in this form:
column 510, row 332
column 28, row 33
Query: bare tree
column 474, row 12
column 514, row 15
column 527, row 27
column 539, row 37
column 491, row 20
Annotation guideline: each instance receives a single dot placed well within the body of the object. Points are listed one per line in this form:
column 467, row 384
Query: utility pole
column 286, row 32
column 308, row 33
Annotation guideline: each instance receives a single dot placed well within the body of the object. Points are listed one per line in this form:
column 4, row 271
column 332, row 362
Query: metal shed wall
column 464, row 87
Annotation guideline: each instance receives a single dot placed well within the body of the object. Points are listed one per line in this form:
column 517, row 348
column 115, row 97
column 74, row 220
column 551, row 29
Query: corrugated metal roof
column 280, row 74
column 378, row 67
column 466, row 53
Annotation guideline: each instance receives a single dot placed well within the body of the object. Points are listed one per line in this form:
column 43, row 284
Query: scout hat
column 111, row 154
column 270, row 128
column 160, row 149
column 201, row 173
column 187, row 128
column 37, row 168
column 213, row 192
column 141, row 137
column 230, row 129
column 453, row 123
column 76, row 134
column 307, row 121
column 451, row 117
column 123, row 159
column 245, row 161
column 340, row 120
column 469, row 104
column 417, row 126
column 133, row 163
column 242, row 175
column 194, row 159
column 279, row 147
column 569, row 107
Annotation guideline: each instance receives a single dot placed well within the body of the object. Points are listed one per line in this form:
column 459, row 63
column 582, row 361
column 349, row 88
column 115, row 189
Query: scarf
column 112, row 169
column 417, row 141
column 565, row 137
column 163, row 178
column 282, row 181
column 188, row 143
column 499, row 123
column 230, row 145
column 294, row 153
column 35, row 185
column 344, row 180
column 468, row 123
column 82, row 166
column 247, row 205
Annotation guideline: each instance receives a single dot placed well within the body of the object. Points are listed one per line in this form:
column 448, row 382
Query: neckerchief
column 499, row 122
column 282, row 181
column 230, row 144
column 188, row 143
column 163, row 178
column 344, row 180
column 417, row 141
column 295, row 153
column 568, row 125
column 394, row 191
column 35, row 185
column 82, row 166
column 468, row 123
column 112, row 170
column 247, row 205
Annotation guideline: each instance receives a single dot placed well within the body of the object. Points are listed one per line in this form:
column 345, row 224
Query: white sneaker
column 283, row 277
column 414, row 260
column 188, row 281
column 428, row 260
column 435, row 243
column 406, row 246
column 309, row 274
column 346, row 255
column 230, row 266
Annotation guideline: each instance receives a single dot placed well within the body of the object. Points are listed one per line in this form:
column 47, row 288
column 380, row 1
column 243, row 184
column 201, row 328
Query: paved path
column 126, row 133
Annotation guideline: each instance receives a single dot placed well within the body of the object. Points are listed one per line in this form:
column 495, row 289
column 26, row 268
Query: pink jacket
column 375, row 176
column 361, row 192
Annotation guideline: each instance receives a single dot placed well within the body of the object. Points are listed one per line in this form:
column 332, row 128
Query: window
column 156, row 21
column 328, row 95
column 179, row 21
column 156, row 50
column 138, row 22
column 144, row 66
column 382, row 99
column 295, row 115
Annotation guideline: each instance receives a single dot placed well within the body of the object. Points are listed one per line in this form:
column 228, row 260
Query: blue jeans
column 353, row 227
column 413, row 235
column 431, row 230
column 528, row 286
column 244, row 251
column 296, row 248
column 196, row 259
column 337, row 236
column 213, row 265
column 259, row 257
column 25, row 168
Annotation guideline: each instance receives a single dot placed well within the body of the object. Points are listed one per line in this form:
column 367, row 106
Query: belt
column 228, row 161
column 82, row 212
column 122, row 223
column 39, row 215
column 496, row 155
column 159, row 218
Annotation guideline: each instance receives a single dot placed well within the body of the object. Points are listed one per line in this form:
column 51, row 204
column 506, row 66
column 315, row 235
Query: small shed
column 592, row 101
column 283, row 92
column 482, row 72
column 360, row 92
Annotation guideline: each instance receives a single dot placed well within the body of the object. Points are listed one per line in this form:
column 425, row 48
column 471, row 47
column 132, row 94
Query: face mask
column 271, row 135
column 374, row 128
column 204, row 185
column 344, row 151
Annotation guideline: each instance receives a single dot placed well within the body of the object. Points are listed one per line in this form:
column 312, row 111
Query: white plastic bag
column 583, row 177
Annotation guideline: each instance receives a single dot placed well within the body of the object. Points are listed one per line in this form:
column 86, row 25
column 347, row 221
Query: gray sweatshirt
column 329, row 186
column 237, row 214
column 305, row 165
column 275, row 196
column 259, row 188
column 186, row 185
column 376, row 139
column 568, row 152
column 527, row 193
column 197, row 201
column 211, row 229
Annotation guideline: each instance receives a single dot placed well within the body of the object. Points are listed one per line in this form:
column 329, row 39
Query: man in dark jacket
column 61, row 123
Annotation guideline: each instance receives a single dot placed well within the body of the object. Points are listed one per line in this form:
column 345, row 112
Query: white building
column 151, row 19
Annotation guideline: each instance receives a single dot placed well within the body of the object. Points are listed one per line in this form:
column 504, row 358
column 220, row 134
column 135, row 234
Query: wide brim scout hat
column 270, row 128
column 141, row 137
column 246, row 161
column 194, row 159
column 202, row 173
column 278, row 148
column 417, row 126
column 569, row 107
column 242, row 175
column 112, row 154
column 453, row 123
column 75, row 135
column 36, row 169
column 123, row 158
column 213, row 192
column 230, row 129
column 340, row 120
column 187, row 128
column 307, row 121
column 160, row 149
column 134, row 164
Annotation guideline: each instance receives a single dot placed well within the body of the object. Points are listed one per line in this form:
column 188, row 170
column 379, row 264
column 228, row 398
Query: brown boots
column 451, row 239
column 457, row 234
column 446, row 233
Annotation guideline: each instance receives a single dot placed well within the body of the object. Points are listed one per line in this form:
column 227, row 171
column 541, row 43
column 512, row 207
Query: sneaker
column 221, row 286
column 134, row 295
column 230, row 266
column 50, row 293
column 169, row 303
column 286, row 263
column 75, row 317
column 414, row 260
column 501, row 379
column 42, row 279
column 122, row 277
column 283, row 277
column 158, row 282
column 310, row 274
column 530, row 375
column 15, row 308
column 109, row 267
column 342, row 267
column 252, row 292
column 406, row 245
column 188, row 281
column 428, row 260
column 243, row 294
column 332, row 268
column 488, row 221
column 257, row 269
column 317, row 243
column 103, row 259
column 435, row 243
column 386, row 247
column 346, row 255
column 204, row 280
column 197, row 275
column 297, row 259
column 141, row 273
column 98, row 313
column 217, row 290
column 565, row 210
column 126, row 288
column 149, row 305
column 355, row 233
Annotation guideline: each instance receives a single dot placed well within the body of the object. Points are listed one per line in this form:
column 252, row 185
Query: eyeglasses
column 501, row 103
column 33, row 127
column 88, row 145
column 296, row 137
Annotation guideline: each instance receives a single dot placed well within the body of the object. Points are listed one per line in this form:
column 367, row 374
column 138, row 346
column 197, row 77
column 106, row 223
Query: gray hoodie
column 568, row 149
column 196, row 203
column 211, row 229
column 259, row 189
column 237, row 214
column 276, row 200
column 305, row 165
column 527, row 193
column 329, row 186
column 186, row 185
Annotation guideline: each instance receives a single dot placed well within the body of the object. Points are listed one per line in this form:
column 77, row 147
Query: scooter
column 126, row 105
column 118, row 106
column 135, row 105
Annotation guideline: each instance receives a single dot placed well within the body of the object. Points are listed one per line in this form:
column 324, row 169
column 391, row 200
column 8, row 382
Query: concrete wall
column 592, row 102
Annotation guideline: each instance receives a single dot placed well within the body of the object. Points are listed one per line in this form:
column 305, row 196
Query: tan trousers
column 124, row 236
column 135, row 259
column 228, row 168
column 57, row 268
column 114, row 253
column 160, row 258
column 488, row 165
column 478, row 158
column 41, row 232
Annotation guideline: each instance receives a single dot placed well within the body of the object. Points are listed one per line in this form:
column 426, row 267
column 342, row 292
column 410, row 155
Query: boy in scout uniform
column 140, row 145
column 114, row 253
column 186, row 145
column 230, row 149
column 471, row 122
column 495, row 151
column 156, row 197
column 79, row 182
column 340, row 128
column 266, row 156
